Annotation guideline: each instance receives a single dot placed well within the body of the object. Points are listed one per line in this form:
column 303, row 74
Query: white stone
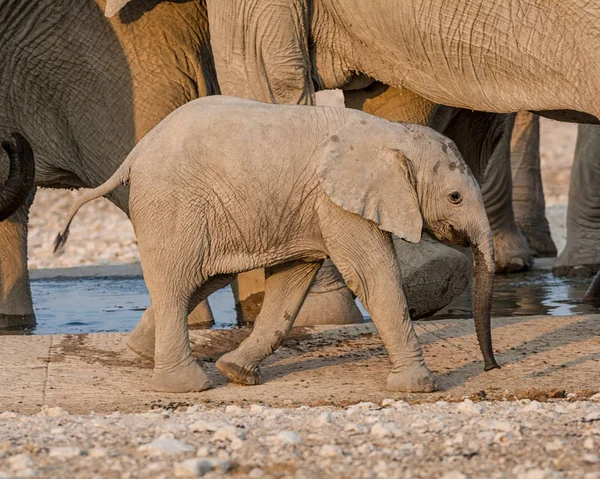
column 328, row 450
column 454, row 475
column 554, row 445
column 257, row 408
column 401, row 405
column 589, row 443
column 57, row 431
column 229, row 433
column 256, row 473
column 470, row 407
column 533, row 406
column 385, row 430
column 590, row 458
column 98, row 452
column 593, row 416
column 233, row 409
column 197, row 467
column 595, row 397
column 52, row 412
column 366, row 405
column 387, row 402
column 536, row 474
column 323, row 420
column 206, row 426
column 20, row 461
column 165, row 445
column 66, row 452
column 204, row 451
column 288, row 437
column 504, row 426
column 8, row 415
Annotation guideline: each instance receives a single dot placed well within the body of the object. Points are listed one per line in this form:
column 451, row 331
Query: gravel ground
column 524, row 439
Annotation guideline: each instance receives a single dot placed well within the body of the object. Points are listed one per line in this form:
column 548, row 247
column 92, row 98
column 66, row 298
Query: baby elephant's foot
column 141, row 342
column 231, row 366
column 190, row 378
column 414, row 380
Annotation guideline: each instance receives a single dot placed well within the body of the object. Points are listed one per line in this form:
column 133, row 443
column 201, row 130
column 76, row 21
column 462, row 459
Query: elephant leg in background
column 593, row 292
column 366, row 258
column 142, row 339
column 16, row 306
column 286, row 286
column 527, row 188
column 510, row 246
column 581, row 256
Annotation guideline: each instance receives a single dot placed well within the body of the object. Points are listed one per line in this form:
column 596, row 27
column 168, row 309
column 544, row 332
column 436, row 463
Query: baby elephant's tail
column 120, row 177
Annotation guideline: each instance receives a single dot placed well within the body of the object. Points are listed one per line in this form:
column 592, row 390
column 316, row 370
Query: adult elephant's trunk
column 19, row 183
column 484, row 270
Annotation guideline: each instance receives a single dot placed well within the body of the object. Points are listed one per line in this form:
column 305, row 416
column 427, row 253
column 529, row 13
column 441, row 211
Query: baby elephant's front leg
column 285, row 289
column 365, row 256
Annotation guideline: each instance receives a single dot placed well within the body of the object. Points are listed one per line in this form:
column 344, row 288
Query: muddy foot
column 10, row 321
column 190, row 378
column 541, row 244
column 512, row 252
column 231, row 367
column 416, row 380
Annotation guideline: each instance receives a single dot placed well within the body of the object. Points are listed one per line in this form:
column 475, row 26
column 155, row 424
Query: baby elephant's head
column 404, row 176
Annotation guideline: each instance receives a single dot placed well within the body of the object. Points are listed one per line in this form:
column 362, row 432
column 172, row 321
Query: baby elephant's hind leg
column 141, row 339
column 285, row 289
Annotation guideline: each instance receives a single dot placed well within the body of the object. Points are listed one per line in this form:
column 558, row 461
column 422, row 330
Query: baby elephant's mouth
column 447, row 233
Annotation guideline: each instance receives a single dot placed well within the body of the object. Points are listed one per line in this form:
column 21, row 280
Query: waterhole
column 89, row 305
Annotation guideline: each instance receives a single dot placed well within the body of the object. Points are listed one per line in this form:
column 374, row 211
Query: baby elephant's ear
column 362, row 172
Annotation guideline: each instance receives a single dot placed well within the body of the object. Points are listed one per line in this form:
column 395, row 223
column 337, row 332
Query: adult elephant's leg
column 581, row 256
column 248, row 292
column 527, row 190
column 510, row 246
column 286, row 287
column 593, row 292
column 16, row 306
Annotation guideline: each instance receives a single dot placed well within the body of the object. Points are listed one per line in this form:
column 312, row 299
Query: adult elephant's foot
column 233, row 366
column 433, row 274
column 580, row 258
column 201, row 316
column 511, row 251
column 540, row 240
column 15, row 321
column 329, row 300
column 414, row 380
column 593, row 293
column 188, row 378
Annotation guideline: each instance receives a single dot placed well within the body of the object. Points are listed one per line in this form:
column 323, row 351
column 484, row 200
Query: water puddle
column 86, row 305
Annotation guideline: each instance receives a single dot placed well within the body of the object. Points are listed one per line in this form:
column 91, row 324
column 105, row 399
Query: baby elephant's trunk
column 120, row 177
column 484, row 269
column 18, row 185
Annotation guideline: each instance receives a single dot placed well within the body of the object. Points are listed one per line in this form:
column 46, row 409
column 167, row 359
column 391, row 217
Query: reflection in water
column 88, row 305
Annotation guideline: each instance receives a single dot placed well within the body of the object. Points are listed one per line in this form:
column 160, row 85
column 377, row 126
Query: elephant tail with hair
column 120, row 177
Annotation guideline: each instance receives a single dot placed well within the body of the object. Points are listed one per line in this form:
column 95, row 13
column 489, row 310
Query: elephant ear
column 114, row 6
column 362, row 171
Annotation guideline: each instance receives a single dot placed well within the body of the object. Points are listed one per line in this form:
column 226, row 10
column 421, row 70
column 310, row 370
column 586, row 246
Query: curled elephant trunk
column 19, row 183
column 484, row 269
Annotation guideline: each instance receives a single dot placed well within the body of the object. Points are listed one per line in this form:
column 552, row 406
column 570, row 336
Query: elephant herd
column 84, row 81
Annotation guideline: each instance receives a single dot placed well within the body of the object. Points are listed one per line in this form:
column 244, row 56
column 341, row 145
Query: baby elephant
column 225, row 185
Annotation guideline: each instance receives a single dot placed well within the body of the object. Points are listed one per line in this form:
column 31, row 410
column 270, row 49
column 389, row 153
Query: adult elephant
column 84, row 89
column 487, row 55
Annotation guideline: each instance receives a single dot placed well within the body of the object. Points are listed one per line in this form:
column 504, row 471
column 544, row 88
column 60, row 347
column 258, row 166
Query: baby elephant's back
column 234, row 158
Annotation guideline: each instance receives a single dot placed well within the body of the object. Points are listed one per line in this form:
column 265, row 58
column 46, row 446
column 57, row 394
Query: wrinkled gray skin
column 343, row 181
column 464, row 53
column 21, row 174
column 85, row 89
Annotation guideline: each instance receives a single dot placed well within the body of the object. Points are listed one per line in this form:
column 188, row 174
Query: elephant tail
column 120, row 177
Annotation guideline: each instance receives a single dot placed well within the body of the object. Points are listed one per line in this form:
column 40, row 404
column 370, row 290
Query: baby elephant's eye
column 455, row 197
